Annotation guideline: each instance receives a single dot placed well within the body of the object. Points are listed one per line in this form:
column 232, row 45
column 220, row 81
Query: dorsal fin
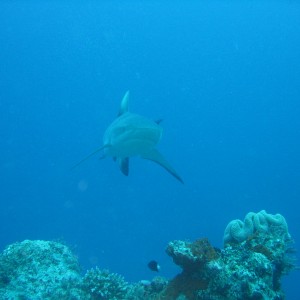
column 124, row 104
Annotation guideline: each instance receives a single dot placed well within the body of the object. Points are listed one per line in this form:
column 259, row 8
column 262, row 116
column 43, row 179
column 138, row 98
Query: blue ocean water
column 223, row 75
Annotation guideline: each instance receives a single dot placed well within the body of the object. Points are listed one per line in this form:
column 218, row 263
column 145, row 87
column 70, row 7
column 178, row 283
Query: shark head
column 130, row 134
column 133, row 135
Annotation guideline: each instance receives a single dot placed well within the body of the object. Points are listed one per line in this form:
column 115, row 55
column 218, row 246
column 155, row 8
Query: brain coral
column 238, row 231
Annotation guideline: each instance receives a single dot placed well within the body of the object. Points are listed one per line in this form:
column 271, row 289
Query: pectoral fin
column 124, row 165
column 90, row 155
column 155, row 156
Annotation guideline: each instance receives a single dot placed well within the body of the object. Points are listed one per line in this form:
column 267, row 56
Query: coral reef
column 46, row 270
column 256, row 255
column 146, row 289
column 238, row 231
column 103, row 285
column 190, row 256
column 39, row 270
column 251, row 265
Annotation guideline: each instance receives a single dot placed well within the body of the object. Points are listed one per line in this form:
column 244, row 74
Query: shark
column 132, row 135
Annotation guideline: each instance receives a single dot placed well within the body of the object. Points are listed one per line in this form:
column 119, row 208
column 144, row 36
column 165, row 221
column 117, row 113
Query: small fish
column 154, row 266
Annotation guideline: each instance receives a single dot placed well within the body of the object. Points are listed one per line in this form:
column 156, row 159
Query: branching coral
column 103, row 285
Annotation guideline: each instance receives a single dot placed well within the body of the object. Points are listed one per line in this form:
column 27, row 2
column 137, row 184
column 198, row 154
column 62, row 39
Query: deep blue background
column 223, row 75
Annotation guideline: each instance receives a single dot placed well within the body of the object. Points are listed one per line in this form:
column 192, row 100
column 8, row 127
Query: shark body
column 133, row 135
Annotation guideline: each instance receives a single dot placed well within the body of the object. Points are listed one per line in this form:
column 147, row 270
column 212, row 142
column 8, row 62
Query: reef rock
column 39, row 270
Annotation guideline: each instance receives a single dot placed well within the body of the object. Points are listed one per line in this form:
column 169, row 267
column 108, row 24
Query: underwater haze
column 224, row 77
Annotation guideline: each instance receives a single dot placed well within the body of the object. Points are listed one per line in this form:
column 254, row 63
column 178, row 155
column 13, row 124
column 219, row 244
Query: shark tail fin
column 87, row 157
column 155, row 156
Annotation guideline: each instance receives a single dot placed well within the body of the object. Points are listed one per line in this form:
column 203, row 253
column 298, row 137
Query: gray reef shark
column 132, row 135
